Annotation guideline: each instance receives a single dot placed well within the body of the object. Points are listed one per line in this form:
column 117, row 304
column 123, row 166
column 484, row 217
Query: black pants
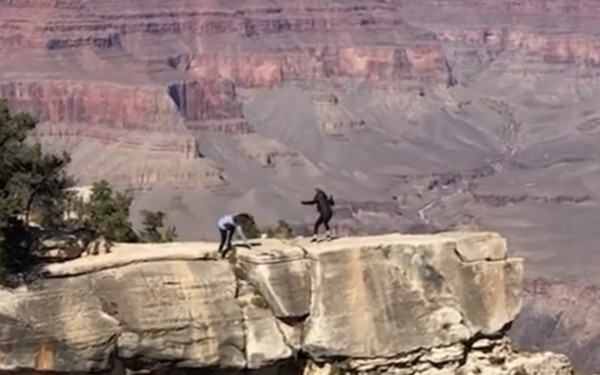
column 323, row 218
column 226, row 237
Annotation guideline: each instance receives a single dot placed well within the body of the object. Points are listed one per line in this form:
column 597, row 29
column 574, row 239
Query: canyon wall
column 418, row 116
column 390, row 304
column 138, row 82
column 119, row 78
column 561, row 315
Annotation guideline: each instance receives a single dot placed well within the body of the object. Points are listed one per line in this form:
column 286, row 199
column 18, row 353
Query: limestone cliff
column 391, row 304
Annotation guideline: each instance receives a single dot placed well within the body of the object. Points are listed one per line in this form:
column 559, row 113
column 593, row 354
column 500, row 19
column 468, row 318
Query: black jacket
column 323, row 202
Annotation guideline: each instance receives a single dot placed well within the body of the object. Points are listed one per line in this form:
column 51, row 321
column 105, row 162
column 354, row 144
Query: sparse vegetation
column 107, row 212
column 252, row 231
column 35, row 195
column 283, row 230
column 153, row 224
column 32, row 186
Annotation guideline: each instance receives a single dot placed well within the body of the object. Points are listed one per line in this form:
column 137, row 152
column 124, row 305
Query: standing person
column 324, row 205
column 227, row 225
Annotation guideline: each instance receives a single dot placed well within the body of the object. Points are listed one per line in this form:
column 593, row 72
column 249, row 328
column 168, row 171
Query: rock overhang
column 371, row 300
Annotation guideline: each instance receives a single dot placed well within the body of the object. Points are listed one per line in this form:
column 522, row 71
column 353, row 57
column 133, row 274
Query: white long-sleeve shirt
column 227, row 221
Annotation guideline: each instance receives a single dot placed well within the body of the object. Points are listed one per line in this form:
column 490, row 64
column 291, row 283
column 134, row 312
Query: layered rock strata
column 392, row 304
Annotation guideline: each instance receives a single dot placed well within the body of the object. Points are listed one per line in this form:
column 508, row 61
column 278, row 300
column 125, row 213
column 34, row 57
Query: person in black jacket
column 324, row 204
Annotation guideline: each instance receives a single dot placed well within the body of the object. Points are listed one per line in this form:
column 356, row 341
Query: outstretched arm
column 241, row 233
column 313, row 201
column 331, row 202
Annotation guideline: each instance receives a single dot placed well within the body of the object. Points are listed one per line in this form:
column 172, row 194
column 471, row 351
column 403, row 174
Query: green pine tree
column 153, row 223
column 107, row 212
column 33, row 187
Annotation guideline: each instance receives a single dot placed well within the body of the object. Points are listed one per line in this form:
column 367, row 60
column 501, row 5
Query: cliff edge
column 393, row 304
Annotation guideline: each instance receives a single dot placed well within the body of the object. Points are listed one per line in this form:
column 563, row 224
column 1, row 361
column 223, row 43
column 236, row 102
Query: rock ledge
column 392, row 304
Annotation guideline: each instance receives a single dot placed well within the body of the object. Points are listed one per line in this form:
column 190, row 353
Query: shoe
column 224, row 253
column 314, row 239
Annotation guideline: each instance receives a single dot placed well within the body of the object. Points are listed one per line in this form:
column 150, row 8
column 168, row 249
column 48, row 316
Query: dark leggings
column 322, row 219
column 226, row 237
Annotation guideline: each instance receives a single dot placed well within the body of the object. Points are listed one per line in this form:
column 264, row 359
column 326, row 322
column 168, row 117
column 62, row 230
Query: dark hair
column 243, row 219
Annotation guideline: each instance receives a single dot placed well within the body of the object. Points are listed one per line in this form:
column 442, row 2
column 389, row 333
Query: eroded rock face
column 562, row 317
column 393, row 304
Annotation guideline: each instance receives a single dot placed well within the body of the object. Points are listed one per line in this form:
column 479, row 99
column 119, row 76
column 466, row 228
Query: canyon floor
column 418, row 116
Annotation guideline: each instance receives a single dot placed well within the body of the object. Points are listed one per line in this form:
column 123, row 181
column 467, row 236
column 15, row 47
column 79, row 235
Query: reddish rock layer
column 253, row 104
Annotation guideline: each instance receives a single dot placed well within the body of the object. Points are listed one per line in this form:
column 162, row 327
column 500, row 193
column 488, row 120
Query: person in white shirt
column 227, row 225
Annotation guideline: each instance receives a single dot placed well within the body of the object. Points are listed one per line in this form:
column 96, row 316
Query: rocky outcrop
column 131, row 108
column 561, row 316
column 60, row 246
column 206, row 100
column 391, row 304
